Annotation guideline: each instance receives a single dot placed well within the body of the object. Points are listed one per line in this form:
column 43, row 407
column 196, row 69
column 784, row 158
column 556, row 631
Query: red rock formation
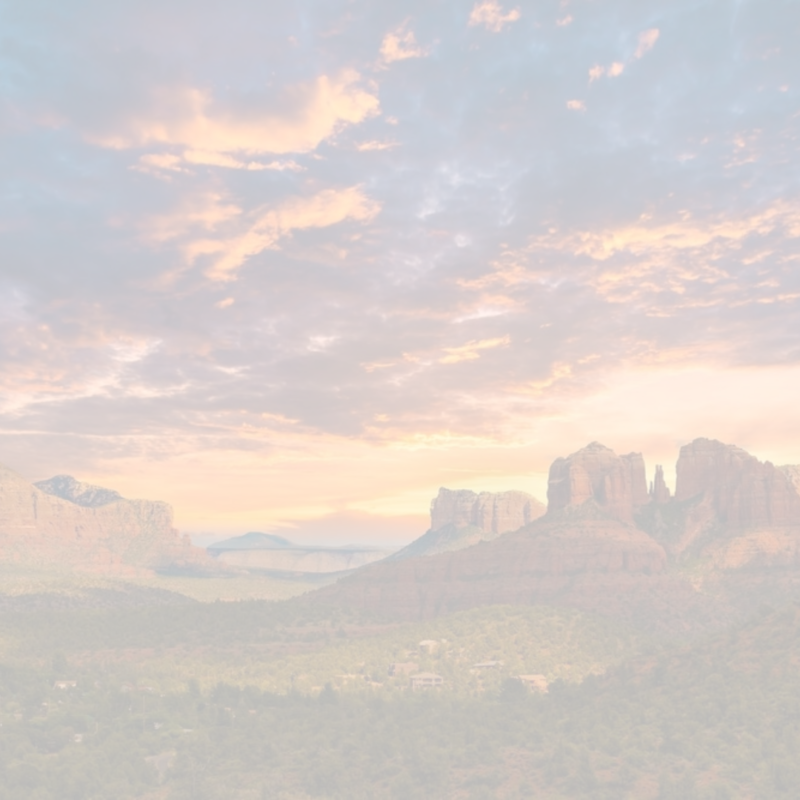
column 40, row 529
column 616, row 484
column 463, row 518
column 742, row 491
column 793, row 474
column 731, row 512
column 585, row 533
column 659, row 492
column 493, row 513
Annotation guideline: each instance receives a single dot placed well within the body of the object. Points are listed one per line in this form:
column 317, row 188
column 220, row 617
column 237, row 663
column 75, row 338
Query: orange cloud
column 187, row 117
column 647, row 41
column 206, row 211
column 400, row 45
column 490, row 14
column 365, row 147
column 629, row 262
column 223, row 160
column 470, row 351
column 324, row 209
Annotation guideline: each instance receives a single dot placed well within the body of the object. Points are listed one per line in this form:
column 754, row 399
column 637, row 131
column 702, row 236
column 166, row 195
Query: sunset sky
column 299, row 264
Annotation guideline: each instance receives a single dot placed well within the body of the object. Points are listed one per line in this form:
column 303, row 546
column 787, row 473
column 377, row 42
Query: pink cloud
column 647, row 41
column 400, row 45
column 187, row 117
column 490, row 14
column 322, row 210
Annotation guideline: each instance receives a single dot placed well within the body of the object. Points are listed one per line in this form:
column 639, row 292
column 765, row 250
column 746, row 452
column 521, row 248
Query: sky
column 294, row 266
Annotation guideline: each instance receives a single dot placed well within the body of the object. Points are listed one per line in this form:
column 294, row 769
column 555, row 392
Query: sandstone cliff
column 596, row 474
column 793, row 474
column 730, row 510
column 734, row 518
column 492, row 513
column 743, row 491
column 103, row 533
column 659, row 492
column 461, row 518
column 585, row 541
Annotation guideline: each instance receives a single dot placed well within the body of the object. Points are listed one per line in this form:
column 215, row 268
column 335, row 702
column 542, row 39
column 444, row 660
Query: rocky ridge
column 66, row 524
column 608, row 544
column 82, row 494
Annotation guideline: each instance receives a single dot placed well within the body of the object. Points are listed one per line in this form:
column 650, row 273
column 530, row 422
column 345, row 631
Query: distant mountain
column 251, row 541
column 608, row 544
column 268, row 552
column 63, row 523
column 462, row 518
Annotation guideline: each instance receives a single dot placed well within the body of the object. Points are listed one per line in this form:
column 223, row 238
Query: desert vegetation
column 713, row 719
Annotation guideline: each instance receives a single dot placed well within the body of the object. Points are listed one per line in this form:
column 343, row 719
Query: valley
column 620, row 642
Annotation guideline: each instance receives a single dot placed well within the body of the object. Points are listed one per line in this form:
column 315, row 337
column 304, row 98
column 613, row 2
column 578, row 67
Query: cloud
column 490, row 14
column 613, row 70
column 205, row 211
column 471, row 350
column 223, row 160
column 596, row 72
column 401, row 44
column 280, row 298
column 157, row 162
column 322, row 210
column 669, row 266
column 364, row 147
column 190, row 118
column 647, row 41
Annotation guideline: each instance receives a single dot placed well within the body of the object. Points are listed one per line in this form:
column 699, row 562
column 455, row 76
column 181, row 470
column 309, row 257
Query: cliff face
column 492, row 513
column 793, row 474
column 608, row 545
column 584, row 542
column 462, row 518
column 659, row 493
column 731, row 511
column 39, row 528
column 742, row 491
column 614, row 483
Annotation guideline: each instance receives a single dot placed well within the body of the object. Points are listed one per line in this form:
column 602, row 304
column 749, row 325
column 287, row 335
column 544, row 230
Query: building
column 425, row 680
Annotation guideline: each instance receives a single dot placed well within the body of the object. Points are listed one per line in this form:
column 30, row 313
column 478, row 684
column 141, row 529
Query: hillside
column 718, row 719
column 730, row 535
